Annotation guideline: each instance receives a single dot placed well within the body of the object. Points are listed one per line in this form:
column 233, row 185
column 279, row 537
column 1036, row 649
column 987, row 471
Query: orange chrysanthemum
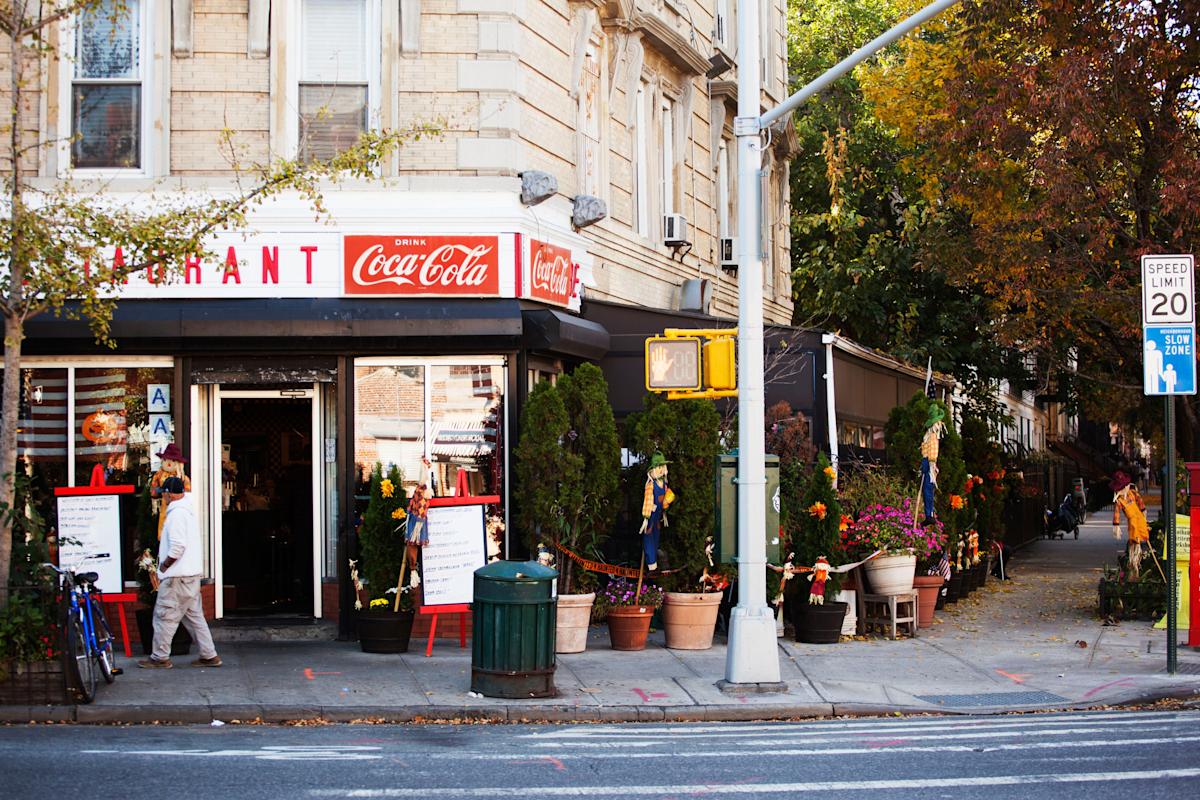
column 956, row 502
column 818, row 510
column 386, row 488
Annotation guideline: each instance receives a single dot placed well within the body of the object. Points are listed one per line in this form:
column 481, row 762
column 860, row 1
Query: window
column 723, row 228
column 641, row 190
column 668, row 157
column 106, row 87
column 336, row 61
column 722, row 34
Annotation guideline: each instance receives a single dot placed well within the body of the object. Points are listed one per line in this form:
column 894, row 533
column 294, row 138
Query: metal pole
column 753, row 652
column 849, row 62
column 1169, row 511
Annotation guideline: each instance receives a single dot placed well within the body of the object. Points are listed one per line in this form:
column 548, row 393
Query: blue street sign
column 1169, row 359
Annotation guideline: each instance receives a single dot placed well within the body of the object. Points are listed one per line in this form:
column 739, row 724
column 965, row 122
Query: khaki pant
column 179, row 601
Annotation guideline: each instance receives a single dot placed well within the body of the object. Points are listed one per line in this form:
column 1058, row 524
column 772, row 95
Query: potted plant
column 895, row 531
column 385, row 625
column 628, row 610
column 812, row 517
column 680, row 440
column 565, row 430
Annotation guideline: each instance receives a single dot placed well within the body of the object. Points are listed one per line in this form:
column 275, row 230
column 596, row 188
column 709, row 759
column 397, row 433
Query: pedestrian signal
column 672, row 364
column 720, row 364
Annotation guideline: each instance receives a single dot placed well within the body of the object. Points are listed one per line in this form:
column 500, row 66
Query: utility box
column 727, row 511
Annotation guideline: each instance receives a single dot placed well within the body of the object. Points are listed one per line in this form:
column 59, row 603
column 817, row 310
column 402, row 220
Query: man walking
column 179, row 582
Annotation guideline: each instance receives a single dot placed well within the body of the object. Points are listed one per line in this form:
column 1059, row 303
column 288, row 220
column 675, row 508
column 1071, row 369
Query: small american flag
column 941, row 568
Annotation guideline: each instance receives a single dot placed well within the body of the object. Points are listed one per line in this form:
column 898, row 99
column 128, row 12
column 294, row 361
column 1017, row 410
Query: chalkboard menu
column 457, row 547
column 89, row 533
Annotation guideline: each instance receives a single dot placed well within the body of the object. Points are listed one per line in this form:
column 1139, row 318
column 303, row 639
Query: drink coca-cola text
column 424, row 265
column 551, row 274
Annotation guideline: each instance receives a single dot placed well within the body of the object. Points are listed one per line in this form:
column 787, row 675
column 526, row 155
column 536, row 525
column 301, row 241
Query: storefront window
column 389, row 421
column 466, row 420
column 122, row 417
column 42, row 436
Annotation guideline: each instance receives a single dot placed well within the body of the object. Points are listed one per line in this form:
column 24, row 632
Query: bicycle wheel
column 104, row 641
column 80, row 657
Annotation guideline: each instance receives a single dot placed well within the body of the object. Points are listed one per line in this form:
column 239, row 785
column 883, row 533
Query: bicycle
column 89, row 644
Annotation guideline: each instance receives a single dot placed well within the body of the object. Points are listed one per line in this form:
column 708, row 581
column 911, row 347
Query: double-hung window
column 336, row 58
column 641, row 156
column 107, row 97
column 668, row 157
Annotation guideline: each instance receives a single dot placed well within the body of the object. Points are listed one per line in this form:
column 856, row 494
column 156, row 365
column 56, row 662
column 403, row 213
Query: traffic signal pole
column 752, row 657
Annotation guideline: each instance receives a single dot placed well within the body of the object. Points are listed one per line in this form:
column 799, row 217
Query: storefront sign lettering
column 551, row 274
column 422, row 265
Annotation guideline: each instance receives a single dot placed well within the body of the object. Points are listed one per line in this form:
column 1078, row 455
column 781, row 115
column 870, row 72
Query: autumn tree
column 1060, row 137
column 48, row 232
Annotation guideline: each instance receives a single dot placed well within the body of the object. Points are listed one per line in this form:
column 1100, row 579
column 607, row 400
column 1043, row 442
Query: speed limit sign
column 1168, row 290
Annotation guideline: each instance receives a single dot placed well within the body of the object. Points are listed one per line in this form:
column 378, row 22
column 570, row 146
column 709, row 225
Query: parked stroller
column 1063, row 521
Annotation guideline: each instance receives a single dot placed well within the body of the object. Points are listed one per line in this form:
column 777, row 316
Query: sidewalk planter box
column 628, row 626
column 954, row 588
column 891, row 574
column 1122, row 600
column 33, row 683
column 689, row 619
column 574, row 616
column 819, row 623
column 385, row 631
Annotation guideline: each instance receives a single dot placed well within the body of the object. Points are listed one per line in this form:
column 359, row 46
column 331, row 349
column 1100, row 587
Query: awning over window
column 561, row 332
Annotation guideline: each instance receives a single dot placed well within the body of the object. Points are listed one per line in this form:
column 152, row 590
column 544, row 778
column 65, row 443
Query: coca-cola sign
column 551, row 274
column 422, row 265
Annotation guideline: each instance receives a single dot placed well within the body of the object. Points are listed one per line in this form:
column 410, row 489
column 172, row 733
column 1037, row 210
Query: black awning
column 181, row 325
column 560, row 332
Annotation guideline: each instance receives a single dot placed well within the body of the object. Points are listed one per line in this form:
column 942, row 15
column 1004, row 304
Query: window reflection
column 389, row 420
column 465, row 423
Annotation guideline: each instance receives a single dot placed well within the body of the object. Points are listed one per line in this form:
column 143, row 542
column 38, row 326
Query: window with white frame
column 723, row 227
column 668, row 156
column 641, row 189
column 722, row 33
column 107, row 81
column 337, row 60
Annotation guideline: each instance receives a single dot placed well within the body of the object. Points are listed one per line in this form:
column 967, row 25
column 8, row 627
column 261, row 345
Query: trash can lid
column 516, row 571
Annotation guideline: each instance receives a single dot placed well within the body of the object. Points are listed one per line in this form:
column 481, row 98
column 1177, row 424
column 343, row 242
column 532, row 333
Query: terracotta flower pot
column 689, row 619
column 928, row 587
column 628, row 626
column 891, row 574
column 574, row 615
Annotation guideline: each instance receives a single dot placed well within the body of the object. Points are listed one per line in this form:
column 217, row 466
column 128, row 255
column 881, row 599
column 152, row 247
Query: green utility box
column 726, row 548
column 512, row 648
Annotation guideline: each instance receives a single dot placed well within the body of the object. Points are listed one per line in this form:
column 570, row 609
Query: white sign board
column 457, row 547
column 1168, row 290
column 89, row 535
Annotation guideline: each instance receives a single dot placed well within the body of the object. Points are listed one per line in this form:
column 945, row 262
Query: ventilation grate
column 993, row 699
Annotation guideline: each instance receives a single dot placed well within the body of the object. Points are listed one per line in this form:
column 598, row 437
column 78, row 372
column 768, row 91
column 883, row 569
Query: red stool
column 120, row 600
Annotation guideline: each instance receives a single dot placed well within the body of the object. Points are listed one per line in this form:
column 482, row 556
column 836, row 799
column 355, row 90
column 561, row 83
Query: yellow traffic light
column 720, row 364
column 672, row 364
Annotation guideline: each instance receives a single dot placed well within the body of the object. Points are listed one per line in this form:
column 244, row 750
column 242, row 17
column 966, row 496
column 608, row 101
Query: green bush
column 687, row 433
column 811, row 534
column 903, row 433
column 984, row 458
column 381, row 536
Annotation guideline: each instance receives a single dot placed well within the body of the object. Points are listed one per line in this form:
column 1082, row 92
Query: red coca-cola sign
column 551, row 274
column 422, row 265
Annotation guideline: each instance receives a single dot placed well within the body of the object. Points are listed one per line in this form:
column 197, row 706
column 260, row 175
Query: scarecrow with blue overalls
column 655, row 500
column 935, row 428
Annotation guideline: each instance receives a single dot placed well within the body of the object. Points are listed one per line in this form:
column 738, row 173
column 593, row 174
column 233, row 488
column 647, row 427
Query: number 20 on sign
column 1168, row 290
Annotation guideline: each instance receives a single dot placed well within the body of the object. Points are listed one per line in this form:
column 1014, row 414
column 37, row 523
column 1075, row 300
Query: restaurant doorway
column 268, row 508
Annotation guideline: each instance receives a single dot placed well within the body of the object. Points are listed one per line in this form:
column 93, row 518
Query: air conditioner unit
column 675, row 232
column 727, row 255
column 719, row 32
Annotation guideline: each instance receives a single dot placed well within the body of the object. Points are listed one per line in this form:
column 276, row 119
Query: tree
column 813, row 517
column 1061, row 138
column 861, row 225
column 381, row 534
column 48, row 235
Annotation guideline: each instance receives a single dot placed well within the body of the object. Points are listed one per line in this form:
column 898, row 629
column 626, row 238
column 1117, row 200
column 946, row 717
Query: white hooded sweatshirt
column 181, row 540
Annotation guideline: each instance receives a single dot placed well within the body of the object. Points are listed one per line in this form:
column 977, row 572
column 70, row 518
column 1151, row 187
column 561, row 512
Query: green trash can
column 512, row 648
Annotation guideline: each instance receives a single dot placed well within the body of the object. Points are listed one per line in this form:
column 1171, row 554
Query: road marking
column 1120, row 682
column 776, row 789
column 1018, row 677
column 947, row 723
column 829, row 751
column 271, row 753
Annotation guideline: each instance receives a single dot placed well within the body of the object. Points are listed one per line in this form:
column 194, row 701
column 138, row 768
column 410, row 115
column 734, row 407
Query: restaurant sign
column 422, row 266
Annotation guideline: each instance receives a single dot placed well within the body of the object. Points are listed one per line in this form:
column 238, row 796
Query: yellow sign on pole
column 1183, row 547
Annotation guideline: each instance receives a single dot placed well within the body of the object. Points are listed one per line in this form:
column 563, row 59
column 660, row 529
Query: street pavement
column 1032, row 643
column 1078, row 755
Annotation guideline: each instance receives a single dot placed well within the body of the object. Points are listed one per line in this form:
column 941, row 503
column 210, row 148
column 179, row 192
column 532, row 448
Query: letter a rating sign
column 1168, row 325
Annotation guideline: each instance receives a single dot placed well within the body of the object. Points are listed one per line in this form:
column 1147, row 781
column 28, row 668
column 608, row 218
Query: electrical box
column 720, row 364
column 726, row 534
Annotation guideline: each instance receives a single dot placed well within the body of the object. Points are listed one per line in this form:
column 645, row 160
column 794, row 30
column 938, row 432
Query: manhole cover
column 1187, row 668
column 993, row 699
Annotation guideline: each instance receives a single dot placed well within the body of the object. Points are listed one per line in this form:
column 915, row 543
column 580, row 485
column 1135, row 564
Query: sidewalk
column 1010, row 646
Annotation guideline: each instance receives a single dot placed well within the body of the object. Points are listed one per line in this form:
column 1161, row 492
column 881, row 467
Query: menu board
column 457, row 547
column 89, row 537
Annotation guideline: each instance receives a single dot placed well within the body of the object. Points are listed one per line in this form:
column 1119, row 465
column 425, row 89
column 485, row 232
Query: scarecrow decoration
column 935, row 428
column 1127, row 500
column 818, row 576
column 655, row 501
column 171, row 466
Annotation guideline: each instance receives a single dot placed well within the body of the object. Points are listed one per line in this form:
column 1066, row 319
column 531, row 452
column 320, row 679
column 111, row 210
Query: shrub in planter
column 385, row 624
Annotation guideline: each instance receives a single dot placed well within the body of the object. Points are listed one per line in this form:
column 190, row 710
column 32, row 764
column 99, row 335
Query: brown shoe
column 215, row 661
column 154, row 663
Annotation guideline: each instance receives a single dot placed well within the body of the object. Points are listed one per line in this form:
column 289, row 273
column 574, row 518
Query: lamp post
column 752, row 657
